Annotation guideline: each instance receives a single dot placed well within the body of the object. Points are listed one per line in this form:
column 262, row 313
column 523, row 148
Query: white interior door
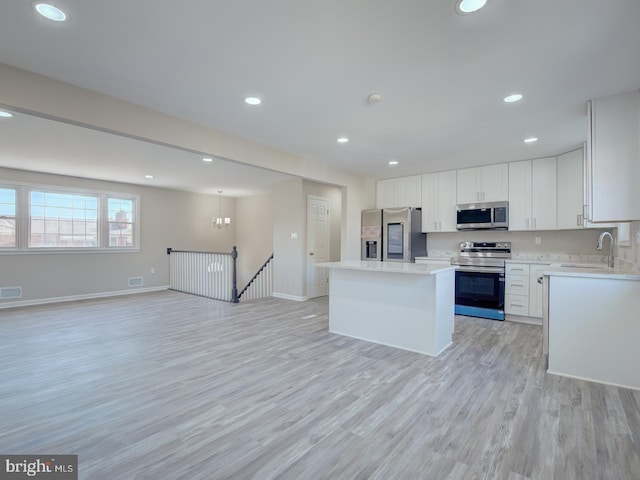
column 317, row 246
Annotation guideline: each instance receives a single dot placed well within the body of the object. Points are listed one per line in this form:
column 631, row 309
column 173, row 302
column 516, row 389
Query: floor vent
column 10, row 292
column 135, row 282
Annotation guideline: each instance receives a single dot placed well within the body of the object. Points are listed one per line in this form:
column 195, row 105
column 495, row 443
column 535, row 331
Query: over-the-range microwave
column 483, row 216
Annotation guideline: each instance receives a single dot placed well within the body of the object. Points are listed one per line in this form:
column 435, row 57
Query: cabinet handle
column 579, row 220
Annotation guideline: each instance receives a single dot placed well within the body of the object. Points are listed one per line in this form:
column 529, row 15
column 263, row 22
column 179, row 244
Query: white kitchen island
column 403, row 305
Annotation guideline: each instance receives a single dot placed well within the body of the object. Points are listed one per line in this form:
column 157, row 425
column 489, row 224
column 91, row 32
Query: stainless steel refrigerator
column 392, row 235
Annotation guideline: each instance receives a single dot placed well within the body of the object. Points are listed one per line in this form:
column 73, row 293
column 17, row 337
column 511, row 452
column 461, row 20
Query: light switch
column 294, row 236
column 538, row 241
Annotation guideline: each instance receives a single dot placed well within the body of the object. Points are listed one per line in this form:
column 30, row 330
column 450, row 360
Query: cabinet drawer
column 516, row 269
column 516, row 305
column 516, row 285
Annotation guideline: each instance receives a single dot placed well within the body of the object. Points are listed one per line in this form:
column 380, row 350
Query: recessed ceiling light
column 207, row 160
column 342, row 140
column 514, row 97
column 253, row 101
column 393, row 162
column 50, row 12
column 531, row 140
column 5, row 114
column 148, row 176
column 468, row 6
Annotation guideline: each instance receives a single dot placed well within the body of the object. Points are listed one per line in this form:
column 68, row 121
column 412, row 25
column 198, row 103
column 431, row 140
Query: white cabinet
column 570, row 181
column 483, row 184
column 439, row 202
column 535, row 290
column 613, row 158
column 532, row 194
column 516, row 290
column 523, row 293
column 399, row 192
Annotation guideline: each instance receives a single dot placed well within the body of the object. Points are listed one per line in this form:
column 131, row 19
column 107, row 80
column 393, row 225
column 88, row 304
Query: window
column 121, row 221
column 62, row 220
column 8, row 203
column 44, row 218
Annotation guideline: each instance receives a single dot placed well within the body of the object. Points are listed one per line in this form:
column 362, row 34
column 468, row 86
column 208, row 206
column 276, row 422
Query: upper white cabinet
column 439, row 202
column 613, row 158
column 489, row 183
column 570, row 180
column 532, row 194
column 399, row 192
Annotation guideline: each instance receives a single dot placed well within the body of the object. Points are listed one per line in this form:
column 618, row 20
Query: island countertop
column 389, row 267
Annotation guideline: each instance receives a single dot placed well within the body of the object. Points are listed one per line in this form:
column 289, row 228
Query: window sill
column 66, row 251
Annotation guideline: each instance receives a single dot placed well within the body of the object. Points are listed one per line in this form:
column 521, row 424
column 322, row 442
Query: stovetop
column 483, row 254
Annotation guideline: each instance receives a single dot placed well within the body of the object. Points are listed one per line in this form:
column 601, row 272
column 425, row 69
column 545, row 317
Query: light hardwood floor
column 171, row 386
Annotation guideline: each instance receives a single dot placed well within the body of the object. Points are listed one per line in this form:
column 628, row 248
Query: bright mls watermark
column 47, row 467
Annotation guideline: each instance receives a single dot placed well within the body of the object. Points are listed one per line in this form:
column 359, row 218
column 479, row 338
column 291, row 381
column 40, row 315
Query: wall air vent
column 135, row 282
column 10, row 292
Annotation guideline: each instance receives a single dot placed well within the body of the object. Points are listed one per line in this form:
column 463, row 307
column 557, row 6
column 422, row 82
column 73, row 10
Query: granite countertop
column 390, row 267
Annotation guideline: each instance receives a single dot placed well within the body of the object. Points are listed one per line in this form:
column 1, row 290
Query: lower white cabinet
column 523, row 293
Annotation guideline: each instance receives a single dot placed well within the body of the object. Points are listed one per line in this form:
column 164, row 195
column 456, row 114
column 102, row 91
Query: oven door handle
column 462, row 268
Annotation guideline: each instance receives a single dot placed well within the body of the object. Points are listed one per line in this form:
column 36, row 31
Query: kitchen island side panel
column 594, row 329
column 394, row 309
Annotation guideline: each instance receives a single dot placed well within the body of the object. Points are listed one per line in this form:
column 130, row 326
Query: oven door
column 480, row 292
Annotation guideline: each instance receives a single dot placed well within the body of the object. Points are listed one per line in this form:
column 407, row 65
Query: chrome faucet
column 599, row 246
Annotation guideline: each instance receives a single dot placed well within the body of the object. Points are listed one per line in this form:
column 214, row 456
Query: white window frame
column 23, row 223
column 15, row 188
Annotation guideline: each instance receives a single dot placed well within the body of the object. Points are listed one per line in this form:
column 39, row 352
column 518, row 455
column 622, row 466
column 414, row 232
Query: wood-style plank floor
column 171, row 386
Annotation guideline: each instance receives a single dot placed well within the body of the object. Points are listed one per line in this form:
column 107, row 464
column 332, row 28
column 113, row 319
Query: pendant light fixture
column 220, row 221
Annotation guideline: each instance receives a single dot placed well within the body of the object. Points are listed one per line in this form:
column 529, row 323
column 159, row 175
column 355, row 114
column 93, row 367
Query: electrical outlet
column 153, row 270
column 538, row 241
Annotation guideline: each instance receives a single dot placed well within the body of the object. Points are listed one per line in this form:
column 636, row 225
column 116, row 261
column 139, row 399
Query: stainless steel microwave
column 483, row 216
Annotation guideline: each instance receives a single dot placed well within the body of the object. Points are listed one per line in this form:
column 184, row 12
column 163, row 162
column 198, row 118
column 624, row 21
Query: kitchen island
column 403, row 305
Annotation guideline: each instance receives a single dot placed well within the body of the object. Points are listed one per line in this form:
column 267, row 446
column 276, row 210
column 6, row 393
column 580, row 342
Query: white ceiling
column 442, row 76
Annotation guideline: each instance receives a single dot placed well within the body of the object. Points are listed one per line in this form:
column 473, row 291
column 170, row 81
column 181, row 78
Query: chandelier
column 220, row 221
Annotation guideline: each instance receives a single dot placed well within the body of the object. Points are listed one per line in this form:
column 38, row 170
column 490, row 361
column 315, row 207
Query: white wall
column 168, row 218
column 254, row 234
column 288, row 252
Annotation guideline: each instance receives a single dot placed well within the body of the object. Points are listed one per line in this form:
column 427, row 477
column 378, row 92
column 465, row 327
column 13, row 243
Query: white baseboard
column 286, row 296
column 88, row 296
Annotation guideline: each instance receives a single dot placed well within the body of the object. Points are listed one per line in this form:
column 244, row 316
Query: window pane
column 121, row 222
column 8, row 198
column 62, row 220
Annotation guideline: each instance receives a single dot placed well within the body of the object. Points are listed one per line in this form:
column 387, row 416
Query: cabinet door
column 386, row 193
column 543, row 189
column 469, row 183
column 535, row 290
column 447, row 183
column 409, row 191
column 570, row 183
column 495, row 183
column 615, row 158
column 430, row 205
column 520, row 195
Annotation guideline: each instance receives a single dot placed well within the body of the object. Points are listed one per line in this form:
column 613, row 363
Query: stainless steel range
column 480, row 279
